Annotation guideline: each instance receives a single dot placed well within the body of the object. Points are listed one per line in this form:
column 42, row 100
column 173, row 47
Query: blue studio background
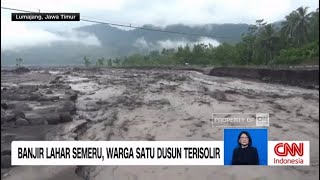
column 259, row 140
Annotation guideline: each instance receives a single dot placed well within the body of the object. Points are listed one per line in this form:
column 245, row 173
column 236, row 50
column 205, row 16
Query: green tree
column 117, row 61
column 110, row 62
column 164, row 51
column 199, row 55
column 224, row 54
column 100, row 62
column 87, row 61
column 154, row 53
column 246, row 47
column 288, row 28
column 302, row 25
column 314, row 25
column 297, row 25
column 180, row 55
column 268, row 41
column 18, row 62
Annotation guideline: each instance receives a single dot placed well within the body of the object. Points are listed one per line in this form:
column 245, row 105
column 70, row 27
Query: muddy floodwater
column 153, row 105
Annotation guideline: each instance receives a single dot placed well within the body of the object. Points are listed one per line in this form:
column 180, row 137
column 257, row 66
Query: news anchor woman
column 245, row 154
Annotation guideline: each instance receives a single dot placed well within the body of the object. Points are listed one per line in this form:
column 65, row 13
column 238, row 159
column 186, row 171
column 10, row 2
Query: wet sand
column 127, row 104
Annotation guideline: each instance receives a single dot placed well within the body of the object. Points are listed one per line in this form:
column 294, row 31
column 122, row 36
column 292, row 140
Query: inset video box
column 45, row 17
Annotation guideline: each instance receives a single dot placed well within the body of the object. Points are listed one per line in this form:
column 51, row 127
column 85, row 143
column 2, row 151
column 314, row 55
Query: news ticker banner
column 117, row 153
column 45, row 16
column 283, row 153
column 240, row 119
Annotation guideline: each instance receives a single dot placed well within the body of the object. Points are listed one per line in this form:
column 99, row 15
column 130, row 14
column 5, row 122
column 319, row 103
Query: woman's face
column 244, row 140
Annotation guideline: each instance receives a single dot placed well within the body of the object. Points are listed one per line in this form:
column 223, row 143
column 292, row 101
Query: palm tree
column 302, row 26
column 288, row 27
column 268, row 40
column 314, row 23
column 297, row 25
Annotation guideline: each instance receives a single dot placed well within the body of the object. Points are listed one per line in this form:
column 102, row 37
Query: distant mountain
column 115, row 42
column 230, row 33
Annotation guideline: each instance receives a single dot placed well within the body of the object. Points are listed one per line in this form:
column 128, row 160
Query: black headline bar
column 45, row 17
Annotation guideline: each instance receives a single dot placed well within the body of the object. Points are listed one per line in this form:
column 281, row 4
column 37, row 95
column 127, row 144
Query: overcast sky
column 138, row 12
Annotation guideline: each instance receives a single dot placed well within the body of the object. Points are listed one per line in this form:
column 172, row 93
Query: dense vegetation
column 295, row 41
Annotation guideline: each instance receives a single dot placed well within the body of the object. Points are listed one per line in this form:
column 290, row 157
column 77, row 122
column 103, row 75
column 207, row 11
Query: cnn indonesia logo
column 292, row 152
